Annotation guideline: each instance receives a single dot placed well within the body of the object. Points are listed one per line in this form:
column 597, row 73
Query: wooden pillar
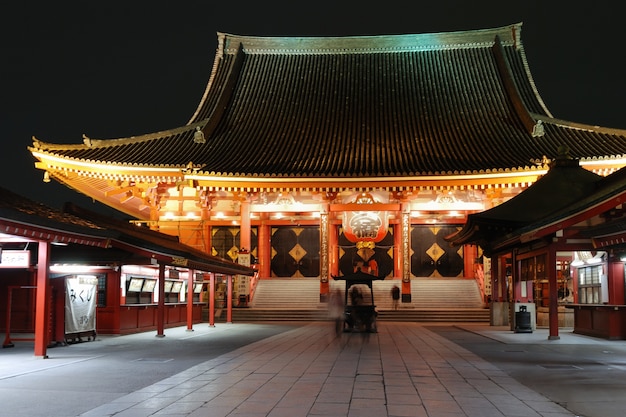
column 405, row 257
column 514, row 288
column 333, row 247
column 470, row 253
column 161, row 304
column 57, row 294
column 229, row 298
column 115, row 299
column 244, row 230
column 325, row 250
column 264, row 253
column 212, row 300
column 498, row 276
column 42, row 313
column 553, row 306
column 206, row 229
column 616, row 282
column 190, row 285
column 397, row 250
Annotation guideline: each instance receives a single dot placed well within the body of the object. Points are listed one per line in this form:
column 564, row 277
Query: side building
column 68, row 275
column 558, row 262
column 319, row 155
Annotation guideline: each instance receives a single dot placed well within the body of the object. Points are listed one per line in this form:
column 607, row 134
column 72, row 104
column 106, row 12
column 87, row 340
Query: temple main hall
column 319, row 156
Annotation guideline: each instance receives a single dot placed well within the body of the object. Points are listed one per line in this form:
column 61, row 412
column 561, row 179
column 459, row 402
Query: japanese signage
column 15, row 259
column 80, row 303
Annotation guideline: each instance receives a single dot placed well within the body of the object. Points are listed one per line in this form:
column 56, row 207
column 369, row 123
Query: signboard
column 177, row 286
column 242, row 285
column 135, row 285
column 80, row 303
column 15, row 259
column 149, row 285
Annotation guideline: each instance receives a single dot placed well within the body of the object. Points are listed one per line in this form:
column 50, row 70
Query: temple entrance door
column 225, row 243
column 295, row 251
column 431, row 255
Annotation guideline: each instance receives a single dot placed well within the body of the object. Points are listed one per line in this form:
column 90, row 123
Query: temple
column 321, row 155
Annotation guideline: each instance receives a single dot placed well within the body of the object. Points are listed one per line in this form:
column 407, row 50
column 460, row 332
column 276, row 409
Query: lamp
column 577, row 261
column 596, row 259
column 46, row 176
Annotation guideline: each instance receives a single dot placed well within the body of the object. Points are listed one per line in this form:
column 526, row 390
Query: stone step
column 409, row 315
column 426, row 293
column 432, row 300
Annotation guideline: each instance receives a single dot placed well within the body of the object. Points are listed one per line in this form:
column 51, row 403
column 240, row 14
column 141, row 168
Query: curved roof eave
column 89, row 142
column 84, row 164
column 228, row 42
column 171, row 151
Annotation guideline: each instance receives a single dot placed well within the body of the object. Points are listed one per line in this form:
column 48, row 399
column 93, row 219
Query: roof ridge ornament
column 198, row 136
column 538, row 129
column 564, row 159
column 563, row 152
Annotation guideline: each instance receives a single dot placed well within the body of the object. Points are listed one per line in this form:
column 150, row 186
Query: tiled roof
column 362, row 106
column 567, row 195
column 26, row 218
column 157, row 242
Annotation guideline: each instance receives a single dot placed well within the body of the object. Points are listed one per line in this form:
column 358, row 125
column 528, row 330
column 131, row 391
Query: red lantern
column 365, row 226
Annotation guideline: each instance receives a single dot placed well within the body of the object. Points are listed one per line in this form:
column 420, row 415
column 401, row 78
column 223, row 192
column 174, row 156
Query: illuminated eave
column 456, row 181
column 103, row 169
column 235, row 182
column 36, row 233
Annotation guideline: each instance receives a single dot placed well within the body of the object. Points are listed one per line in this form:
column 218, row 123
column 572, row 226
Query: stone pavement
column 403, row 370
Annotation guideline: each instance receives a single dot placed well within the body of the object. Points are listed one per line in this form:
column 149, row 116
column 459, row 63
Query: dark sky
column 115, row 69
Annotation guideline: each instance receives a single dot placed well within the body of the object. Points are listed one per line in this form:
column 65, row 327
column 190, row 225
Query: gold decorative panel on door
column 431, row 255
column 295, row 251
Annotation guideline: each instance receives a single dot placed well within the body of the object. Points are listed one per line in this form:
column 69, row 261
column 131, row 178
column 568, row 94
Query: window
column 102, row 290
column 589, row 285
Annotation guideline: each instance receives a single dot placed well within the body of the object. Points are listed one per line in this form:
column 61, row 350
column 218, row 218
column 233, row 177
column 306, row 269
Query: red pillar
column 244, row 230
column 497, row 277
column 616, row 282
column 328, row 241
column 470, row 253
column 115, row 300
column 264, row 252
column 161, row 304
column 553, row 307
column 42, row 313
column 212, row 299
column 229, row 300
column 190, row 285
column 402, row 243
column 397, row 250
column 333, row 248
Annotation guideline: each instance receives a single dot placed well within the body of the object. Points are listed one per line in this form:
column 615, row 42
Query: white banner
column 80, row 303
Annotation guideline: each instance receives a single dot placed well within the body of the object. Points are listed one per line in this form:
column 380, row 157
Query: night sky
column 115, row 69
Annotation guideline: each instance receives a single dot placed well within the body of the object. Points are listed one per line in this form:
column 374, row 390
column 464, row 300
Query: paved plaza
column 301, row 369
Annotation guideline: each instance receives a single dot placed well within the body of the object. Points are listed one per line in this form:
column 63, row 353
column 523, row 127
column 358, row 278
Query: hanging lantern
column 365, row 226
column 369, row 226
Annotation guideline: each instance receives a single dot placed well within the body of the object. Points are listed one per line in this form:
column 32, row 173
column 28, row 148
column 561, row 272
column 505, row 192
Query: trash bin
column 522, row 321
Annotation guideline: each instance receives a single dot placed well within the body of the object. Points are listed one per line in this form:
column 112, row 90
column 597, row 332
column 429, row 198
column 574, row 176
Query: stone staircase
column 432, row 300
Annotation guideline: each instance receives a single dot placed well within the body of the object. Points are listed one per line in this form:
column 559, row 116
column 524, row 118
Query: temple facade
column 319, row 156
